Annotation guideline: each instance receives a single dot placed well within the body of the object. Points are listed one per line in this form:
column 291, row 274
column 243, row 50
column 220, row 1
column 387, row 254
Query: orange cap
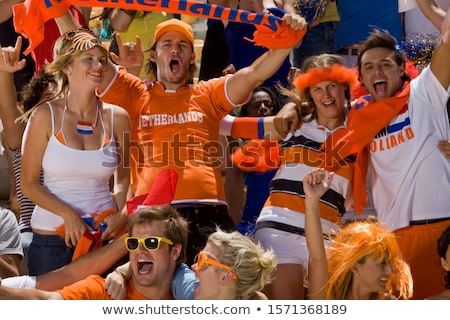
column 174, row 25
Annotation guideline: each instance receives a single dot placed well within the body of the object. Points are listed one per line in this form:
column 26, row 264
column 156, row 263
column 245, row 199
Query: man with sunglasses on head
column 156, row 244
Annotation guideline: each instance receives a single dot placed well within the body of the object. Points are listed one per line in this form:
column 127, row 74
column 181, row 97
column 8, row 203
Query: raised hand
column 10, row 57
column 316, row 183
column 130, row 55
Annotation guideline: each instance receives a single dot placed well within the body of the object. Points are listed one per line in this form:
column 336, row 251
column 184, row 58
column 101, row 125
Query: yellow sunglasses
column 151, row 243
column 201, row 259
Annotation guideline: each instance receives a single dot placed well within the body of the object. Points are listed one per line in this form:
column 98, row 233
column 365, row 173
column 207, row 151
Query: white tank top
column 80, row 178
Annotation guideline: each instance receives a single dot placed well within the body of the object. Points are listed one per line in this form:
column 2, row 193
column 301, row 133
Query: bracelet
column 261, row 132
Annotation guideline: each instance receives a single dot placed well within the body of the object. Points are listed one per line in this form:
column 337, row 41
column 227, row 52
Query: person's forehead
column 377, row 54
column 324, row 83
column 173, row 35
column 154, row 228
column 211, row 250
column 261, row 95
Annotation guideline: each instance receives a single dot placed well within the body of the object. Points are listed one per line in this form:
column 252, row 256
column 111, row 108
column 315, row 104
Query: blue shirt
column 360, row 17
column 184, row 283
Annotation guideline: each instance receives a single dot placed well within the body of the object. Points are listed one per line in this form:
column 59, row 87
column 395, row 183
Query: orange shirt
column 93, row 288
column 174, row 129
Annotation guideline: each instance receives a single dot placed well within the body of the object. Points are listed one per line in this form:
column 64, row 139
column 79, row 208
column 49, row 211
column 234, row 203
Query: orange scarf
column 364, row 121
column 257, row 155
column 272, row 32
column 90, row 240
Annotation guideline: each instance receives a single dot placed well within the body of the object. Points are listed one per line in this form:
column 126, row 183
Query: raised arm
column 246, row 79
column 9, row 63
column 315, row 184
column 440, row 63
column 432, row 11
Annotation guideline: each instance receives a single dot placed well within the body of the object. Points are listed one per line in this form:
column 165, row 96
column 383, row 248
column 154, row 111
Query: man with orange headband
column 176, row 124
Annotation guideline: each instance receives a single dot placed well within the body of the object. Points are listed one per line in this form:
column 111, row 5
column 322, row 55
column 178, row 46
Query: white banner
column 226, row 309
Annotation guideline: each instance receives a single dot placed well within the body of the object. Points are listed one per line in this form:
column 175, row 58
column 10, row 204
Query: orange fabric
column 257, row 155
column 283, row 37
column 362, row 126
column 93, row 288
column 162, row 191
column 336, row 73
column 30, row 16
column 293, row 202
column 90, row 240
column 184, row 138
column 245, row 127
column 418, row 247
column 174, row 25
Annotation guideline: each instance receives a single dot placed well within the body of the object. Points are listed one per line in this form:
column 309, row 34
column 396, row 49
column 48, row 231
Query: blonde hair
column 252, row 264
column 354, row 244
column 67, row 47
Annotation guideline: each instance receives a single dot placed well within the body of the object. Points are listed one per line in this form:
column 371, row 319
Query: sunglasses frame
column 202, row 259
column 82, row 39
column 142, row 240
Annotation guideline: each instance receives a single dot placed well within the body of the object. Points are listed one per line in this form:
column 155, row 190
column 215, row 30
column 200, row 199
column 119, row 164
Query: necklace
column 86, row 127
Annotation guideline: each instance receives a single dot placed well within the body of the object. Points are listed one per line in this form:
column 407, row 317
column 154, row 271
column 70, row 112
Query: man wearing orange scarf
column 398, row 128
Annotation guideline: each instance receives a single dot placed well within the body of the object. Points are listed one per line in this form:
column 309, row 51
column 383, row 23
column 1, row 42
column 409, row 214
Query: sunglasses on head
column 201, row 259
column 82, row 39
column 151, row 243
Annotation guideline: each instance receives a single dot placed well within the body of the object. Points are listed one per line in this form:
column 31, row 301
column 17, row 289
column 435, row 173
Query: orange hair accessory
column 336, row 73
column 257, row 155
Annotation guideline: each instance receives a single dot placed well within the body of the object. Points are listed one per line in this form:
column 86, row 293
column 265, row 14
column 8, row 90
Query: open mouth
column 329, row 103
column 380, row 87
column 144, row 266
column 174, row 66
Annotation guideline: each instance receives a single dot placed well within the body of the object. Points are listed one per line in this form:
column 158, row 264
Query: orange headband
column 314, row 76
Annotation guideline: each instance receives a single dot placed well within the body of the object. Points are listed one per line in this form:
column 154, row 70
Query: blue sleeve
column 183, row 283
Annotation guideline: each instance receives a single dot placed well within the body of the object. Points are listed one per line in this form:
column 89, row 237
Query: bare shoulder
column 43, row 110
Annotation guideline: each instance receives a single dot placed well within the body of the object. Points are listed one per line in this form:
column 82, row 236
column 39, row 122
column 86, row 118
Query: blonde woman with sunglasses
column 78, row 144
column 232, row 267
